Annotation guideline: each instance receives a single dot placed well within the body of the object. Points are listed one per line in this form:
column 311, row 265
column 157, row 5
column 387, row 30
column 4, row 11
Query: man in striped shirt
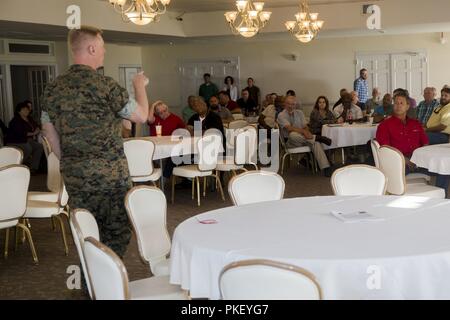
column 426, row 107
column 361, row 86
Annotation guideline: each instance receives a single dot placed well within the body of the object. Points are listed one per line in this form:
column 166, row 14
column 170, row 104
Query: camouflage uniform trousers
column 108, row 208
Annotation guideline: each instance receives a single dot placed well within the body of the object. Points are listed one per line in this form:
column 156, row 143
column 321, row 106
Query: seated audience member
column 320, row 115
column 356, row 102
column 438, row 126
column 268, row 117
column 223, row 112
column 23, row 134
column 341, row 94
column 226, row 102
column 188, row 111
column 291, row 93
column 270, row 100
column 412, row 103
column 342, row 112
column 373, row 102
column 159, row 114
column 427, row 106
column 247, row 105
column 385, row 110
column 406, row 135
column 206, row 118
column 295, row 131
column 231, row 88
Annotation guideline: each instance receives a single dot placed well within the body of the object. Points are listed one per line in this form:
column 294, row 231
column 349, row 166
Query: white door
column 191, row 74
column 378, row 67
column 39, row 76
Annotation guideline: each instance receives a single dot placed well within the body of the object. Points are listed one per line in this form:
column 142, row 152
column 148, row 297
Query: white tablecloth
column 435, row 158
column 167, row 146
column 349, row 135
column 408, row 254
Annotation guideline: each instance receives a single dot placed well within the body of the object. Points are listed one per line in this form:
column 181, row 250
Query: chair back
column 83, row 225
column 375, row 146
column 269, row 186
column 10, row 155
column 146, row 207
column 14, row 182
column 237, row 124
column 139, row 154
column 267, row 280
column 392, row 163
column 46, row 145
column 358, row 180
column 238, row 116
column 53, row 172
column 107, row 272
column 246, row 147
column 209, row 147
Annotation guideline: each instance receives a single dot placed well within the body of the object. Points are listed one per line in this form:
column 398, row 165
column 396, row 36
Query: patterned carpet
column 21, row 279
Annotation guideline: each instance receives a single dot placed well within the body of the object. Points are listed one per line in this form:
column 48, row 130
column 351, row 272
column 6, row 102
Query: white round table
column 435, row 158
column 347, row 135
column 406, row 256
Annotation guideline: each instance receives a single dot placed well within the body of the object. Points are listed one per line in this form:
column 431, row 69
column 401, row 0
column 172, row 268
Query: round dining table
column 435, row 158
column 406, row 255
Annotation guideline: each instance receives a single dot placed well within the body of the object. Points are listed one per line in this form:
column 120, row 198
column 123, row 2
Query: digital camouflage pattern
column 84, row 107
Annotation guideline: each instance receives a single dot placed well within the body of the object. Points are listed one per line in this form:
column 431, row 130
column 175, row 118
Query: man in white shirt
column 342, row 111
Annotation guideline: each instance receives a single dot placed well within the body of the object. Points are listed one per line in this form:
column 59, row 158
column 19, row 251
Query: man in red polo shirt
column 406, row 135
column 159, row 115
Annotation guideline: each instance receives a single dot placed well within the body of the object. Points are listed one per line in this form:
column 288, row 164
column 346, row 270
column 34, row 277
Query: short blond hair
column 78, row 36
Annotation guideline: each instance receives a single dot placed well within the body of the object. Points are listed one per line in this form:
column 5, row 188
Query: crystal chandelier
column 307, row 26
column 140, row 12
column 251, row 18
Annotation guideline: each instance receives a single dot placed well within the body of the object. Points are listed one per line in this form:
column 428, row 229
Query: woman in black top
column 23, row 134
column 320, row 115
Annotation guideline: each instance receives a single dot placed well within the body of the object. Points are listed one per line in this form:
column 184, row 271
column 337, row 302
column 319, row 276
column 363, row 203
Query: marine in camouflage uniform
column 87, row 109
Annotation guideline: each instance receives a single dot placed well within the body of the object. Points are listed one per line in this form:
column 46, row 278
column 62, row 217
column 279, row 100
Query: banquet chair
column 267, row 280
column 358, row 180
column 38, row 209
column 53, row 181
column 237, row 124
column 392, row 163
column 412, row 178
column 147, row 208
column 83, row 225
column 109, row 278
column 139, row 154
column 14, row 181
column 46, row 145
column 269, row 186
column 10, row 155
column 209, row 147
column 289, row 152
column 238, row 116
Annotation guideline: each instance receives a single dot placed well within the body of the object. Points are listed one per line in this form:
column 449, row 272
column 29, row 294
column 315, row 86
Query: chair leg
column 193, row 188
column 198, row 190
column 30, row 241
column 63, row 232
column 283, row 162
column 173, row 189
column 6, row 244
column 53, row 224
column 204, row 186
column 220, row 186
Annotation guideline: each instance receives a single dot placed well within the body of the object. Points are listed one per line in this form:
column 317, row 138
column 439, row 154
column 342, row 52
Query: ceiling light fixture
column 249, row 19
column 140, row 12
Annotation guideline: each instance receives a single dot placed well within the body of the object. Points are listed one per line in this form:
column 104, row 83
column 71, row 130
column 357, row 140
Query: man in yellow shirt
column 438, row 126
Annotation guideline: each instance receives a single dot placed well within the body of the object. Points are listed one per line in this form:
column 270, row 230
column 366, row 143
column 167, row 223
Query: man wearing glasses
column 438, row 126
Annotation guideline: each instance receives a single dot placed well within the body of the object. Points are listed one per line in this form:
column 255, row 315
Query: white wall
column 324, row 66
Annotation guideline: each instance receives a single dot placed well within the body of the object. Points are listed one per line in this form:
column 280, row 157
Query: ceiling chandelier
column 251, row 18
column 307, row 26
column 140, row 12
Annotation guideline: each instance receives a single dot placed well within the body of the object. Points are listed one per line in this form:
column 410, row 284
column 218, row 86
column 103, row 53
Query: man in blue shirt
column 361, row 86
column 426, row 107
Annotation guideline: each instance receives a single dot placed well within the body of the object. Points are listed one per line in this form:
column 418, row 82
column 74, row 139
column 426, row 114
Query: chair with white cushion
column 10, row 155
column 267, row 280
column 14, row 181
column 392, row 163
column 139, row 154
column 147, row 207
column 83, row 225
column 358, row 180
column 53, row 181
column 109, row 278
column 208, row 147
column 37, row 209
column 46, row 145
column 269, row 186
column 289, row 152
column 412, row 178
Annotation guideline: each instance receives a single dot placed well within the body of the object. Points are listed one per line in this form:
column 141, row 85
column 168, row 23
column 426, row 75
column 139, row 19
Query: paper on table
column 355, row 216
